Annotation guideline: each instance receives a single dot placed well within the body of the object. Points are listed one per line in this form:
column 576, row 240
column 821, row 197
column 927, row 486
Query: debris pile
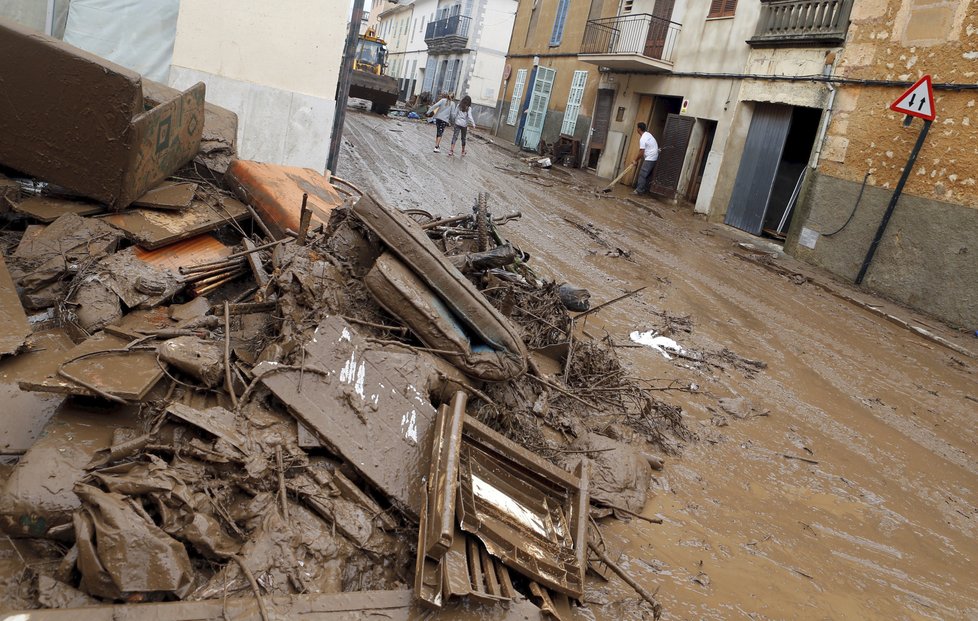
column 277, row 391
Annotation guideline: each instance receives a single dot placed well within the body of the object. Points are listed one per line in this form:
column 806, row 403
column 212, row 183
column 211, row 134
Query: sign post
column 917, row 101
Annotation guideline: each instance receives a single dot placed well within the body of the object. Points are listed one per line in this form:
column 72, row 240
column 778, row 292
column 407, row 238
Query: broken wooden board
column 13, row 320
column 49, row 208
column 387, row 605
column 368, row 406
column 128, row 375
column 152, row 229
column 168, row 195
column 276, row 193
column 528, row 513
column 437, row 528
column 200, row 249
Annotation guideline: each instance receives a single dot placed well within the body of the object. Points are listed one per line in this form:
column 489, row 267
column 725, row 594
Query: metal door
column 758, row 165
column 672, row 154
column 536, row 112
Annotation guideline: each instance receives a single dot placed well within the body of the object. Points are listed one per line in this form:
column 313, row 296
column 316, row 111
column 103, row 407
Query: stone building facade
column 928, row 256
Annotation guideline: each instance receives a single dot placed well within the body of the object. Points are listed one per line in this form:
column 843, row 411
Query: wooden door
column 655, row 42
column 645, row 105
column 672, row 155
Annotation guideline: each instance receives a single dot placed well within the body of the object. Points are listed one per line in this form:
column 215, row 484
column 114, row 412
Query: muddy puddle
column 843, row 487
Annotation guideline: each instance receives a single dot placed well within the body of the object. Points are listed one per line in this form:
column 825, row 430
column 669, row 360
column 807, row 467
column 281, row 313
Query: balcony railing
column 640, row 34
column 448, row 34
column 802, row 22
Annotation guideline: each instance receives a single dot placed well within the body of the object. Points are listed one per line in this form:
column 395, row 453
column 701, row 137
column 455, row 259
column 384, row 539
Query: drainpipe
column 49, row 19
column 499, row 112
column 827, row 71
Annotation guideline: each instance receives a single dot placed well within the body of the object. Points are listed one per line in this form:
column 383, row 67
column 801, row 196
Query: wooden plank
column 455, row 566
column 443, row 476
column 389, row 605
column 14, row 328
column 47, row 209
column 505, row 580
column 152, row 229
column 475, row 564
column 489, row 573
column 200, row 249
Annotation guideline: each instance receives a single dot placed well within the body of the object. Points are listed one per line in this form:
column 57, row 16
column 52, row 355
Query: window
column 558, row 31
column 627, row 6
column 722, row 8
column 514, row 105
column 574, row 103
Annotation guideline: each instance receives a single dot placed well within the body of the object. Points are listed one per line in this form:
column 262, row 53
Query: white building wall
column 707, row 46
column 275, row 64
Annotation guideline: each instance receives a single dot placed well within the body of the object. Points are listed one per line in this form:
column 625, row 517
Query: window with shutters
column 722, row 8
column 514, row 105
column 573, row 109
column 558, row 32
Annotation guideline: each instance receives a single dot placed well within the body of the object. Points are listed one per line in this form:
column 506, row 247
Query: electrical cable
column 854, row 207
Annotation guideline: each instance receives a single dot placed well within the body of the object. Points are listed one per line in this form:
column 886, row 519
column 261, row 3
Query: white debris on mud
column 662, row 344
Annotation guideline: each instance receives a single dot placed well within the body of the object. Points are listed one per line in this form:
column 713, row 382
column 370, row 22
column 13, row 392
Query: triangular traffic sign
column 918, row 100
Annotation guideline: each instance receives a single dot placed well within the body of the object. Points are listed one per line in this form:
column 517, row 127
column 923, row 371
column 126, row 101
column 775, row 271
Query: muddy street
column 837, row 482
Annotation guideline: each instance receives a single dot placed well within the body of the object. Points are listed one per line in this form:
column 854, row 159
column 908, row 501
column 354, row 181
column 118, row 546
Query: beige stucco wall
column 275, row 64
column 291, row 45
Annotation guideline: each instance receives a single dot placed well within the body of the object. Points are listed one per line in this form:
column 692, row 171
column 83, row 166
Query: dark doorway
column 787, row 181
column 703, row 154
column 600, row 125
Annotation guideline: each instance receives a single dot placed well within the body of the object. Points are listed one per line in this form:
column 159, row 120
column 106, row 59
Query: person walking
column 463, row 120
column 647, row 157
column 443, row 111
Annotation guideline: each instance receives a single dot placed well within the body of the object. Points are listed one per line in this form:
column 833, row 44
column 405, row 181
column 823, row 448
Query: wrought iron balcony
column 449, row 34
column 640, row 42
column 802, row 23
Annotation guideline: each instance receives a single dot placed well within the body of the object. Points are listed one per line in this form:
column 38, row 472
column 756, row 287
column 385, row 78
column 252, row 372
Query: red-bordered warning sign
column 918, row 100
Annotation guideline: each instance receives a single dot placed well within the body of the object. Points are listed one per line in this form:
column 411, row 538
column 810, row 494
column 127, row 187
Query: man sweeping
column 647, row 156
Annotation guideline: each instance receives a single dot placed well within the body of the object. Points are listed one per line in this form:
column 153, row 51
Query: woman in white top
column 463, row 121
column 442, row 110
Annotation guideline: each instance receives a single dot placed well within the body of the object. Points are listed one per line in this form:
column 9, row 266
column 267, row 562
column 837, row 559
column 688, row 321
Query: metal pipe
column 826, row 116
column 343, row 87
column 893, row 202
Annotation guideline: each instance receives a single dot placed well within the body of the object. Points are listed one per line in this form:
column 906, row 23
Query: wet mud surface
column 843, row 487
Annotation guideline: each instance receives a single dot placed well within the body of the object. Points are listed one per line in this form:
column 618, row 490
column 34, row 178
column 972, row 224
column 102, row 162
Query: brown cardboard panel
column 13, row 321
column 22, row 417
column 368, row 406
column 49, row 208
column 129, row 375
column 168, row 195
column 153, row 229
column 38, row 496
